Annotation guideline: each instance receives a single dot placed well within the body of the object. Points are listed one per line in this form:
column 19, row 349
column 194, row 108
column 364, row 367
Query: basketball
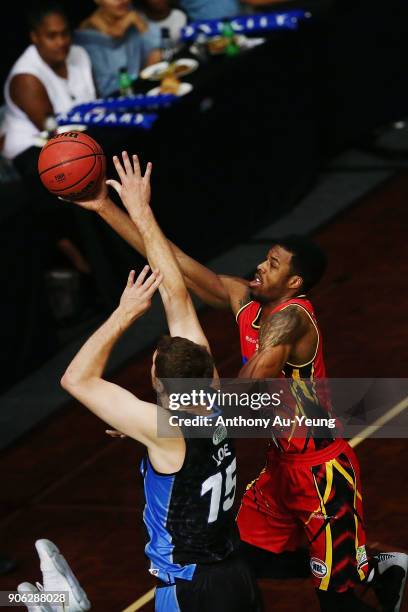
column 72, row 165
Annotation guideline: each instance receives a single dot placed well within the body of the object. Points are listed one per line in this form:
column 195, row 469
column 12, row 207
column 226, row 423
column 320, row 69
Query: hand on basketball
column 137, row 296
column 133, row 189
column 97, row 202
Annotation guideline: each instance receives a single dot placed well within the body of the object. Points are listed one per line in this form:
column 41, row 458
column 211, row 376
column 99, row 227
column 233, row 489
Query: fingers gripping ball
column 72, row 165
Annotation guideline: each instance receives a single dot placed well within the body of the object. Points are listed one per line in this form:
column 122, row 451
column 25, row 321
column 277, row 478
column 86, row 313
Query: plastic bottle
column 232, row 48
column 166, row 45
column 125, row 82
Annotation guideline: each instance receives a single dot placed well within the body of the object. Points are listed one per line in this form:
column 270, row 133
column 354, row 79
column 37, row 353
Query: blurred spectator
column 162, row 15
column 50, row 77
column 211, row 9
column 117, row 37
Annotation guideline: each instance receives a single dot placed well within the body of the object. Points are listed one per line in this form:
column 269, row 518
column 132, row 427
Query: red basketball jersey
column 301, row 396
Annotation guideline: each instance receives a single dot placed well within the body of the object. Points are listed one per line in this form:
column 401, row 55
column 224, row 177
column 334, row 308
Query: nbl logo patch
column 319, row 569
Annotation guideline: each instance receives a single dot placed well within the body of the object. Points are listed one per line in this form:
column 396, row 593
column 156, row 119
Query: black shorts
column 227, row 586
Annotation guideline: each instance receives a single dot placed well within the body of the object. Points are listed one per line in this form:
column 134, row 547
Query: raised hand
column 137, row 296
column 133, row 189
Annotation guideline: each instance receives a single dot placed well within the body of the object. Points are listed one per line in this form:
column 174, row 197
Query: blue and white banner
column 246, row 24
column 108, row 119
column 137, row 103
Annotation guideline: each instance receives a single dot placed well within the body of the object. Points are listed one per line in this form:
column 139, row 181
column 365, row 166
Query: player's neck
column 270, row 306
column 59, row 68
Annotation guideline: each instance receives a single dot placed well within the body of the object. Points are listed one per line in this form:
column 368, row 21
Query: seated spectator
column 50, row 77
column 117, row 37
column 162, row 15
column 211, row 9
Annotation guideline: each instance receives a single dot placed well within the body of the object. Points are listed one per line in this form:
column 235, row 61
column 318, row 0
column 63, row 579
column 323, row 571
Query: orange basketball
column 72, row 165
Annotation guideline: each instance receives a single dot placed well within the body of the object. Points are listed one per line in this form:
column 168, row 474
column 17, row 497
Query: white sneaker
column 28, row 588
column 389, row 579
column 58, row 576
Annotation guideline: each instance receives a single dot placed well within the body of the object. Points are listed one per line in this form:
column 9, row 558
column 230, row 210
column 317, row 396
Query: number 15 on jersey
column 215, row 484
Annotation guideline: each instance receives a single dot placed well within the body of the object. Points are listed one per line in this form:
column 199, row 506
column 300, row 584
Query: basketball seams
column 68, row 161
column 87, row 141
column 80, row 180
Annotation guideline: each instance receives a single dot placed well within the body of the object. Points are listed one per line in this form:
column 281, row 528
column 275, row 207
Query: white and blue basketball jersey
column 189, row 515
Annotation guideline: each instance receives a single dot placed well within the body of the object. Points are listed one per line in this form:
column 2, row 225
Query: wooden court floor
column 67, row 481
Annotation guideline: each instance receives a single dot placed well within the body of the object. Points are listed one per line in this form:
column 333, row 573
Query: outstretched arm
column 180, row 312
column 219, row 291
column 84, row 380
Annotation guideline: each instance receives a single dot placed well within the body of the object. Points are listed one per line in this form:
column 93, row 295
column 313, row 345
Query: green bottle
column 232, row 47
column 125, row 82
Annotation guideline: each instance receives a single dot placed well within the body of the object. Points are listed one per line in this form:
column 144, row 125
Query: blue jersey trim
column 166, row 599
column 158, row 490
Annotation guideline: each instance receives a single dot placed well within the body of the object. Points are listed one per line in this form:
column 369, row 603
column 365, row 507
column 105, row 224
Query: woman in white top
column 50, row 77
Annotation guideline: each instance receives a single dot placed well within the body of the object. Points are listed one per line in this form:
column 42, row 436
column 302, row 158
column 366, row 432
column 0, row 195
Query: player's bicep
column 29, row 94
column 118, row 408
column 282, row 328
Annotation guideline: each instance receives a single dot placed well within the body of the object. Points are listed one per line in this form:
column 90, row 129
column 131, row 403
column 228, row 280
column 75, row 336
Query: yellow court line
column 366, row 433
column 382, row 420
column 142, row 601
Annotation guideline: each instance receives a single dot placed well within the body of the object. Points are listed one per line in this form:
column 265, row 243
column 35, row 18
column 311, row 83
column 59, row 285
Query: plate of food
column 171, row 85
column 218, row 44
column 183, row 66
column 155, row 72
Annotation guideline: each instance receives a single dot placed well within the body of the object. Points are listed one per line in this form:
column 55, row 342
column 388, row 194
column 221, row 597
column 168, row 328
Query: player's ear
column 295, row 282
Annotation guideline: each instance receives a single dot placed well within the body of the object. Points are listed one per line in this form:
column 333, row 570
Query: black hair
column 308, row 260
column 41, row 9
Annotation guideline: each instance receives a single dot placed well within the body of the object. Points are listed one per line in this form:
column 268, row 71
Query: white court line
column 366, row 433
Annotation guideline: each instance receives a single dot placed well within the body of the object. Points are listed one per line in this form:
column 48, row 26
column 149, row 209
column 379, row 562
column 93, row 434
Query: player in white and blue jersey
column 189, row 482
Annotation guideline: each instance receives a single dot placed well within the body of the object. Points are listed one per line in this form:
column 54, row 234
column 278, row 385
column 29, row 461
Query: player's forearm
column 91, row 360
column 263, row 365
column 160, row 256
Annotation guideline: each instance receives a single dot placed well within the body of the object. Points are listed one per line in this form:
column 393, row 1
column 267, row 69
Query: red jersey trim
column 242, row 309
column 303, row 365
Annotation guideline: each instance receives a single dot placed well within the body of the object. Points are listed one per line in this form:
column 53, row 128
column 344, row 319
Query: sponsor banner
column 127, row 103
column 108, row 119
column 246, row 24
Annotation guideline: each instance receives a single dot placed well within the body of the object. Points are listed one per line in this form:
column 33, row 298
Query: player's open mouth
column 256, row 282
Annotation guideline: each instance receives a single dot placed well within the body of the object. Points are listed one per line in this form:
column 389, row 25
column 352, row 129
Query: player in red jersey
column 309, row 484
